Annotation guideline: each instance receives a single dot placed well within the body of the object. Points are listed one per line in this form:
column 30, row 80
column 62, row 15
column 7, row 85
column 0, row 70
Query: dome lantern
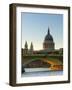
column 48, row 31
column 48, row 37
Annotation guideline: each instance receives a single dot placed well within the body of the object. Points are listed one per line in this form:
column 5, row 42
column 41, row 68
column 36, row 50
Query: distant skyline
column 34, row 27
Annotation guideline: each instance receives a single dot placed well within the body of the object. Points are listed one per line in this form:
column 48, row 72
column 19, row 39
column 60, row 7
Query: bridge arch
column 37, row 62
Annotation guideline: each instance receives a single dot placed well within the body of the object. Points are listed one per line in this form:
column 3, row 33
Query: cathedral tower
column 31, row 48
column 25, row 51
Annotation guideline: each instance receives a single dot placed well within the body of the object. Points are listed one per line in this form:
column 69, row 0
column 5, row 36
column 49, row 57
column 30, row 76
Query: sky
column 34, row 28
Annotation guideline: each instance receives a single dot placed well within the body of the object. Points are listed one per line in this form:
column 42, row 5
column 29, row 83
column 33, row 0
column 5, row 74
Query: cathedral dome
column 48, row 37
column 48, row 43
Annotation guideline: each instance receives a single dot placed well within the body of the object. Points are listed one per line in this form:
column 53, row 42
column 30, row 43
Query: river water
column 29, row 72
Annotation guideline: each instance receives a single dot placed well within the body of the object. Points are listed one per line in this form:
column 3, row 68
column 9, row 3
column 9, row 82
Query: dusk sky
column 34, row 27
